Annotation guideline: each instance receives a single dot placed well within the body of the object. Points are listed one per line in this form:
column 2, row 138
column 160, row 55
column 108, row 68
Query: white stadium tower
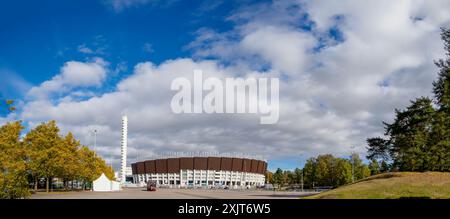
column 123, row 161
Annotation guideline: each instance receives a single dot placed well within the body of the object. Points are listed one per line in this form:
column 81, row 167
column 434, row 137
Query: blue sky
column 344, row 65
column 37, row 39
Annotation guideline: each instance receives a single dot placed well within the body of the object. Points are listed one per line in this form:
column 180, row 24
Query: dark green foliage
column 326, row 170
column 278, row 177
column 374, row 167
column 419, row 137
column 384, row 167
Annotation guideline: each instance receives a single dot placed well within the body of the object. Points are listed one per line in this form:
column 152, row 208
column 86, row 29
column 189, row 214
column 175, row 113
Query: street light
column 353, row 164
column 95, row 140
column 301, row 179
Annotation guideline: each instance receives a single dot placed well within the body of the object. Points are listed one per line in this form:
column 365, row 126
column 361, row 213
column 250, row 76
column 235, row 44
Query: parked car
column 151, row 186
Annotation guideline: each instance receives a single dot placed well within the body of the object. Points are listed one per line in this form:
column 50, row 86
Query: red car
column 151, row 186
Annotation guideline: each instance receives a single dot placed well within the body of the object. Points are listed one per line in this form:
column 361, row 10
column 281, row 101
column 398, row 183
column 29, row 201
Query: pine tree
column 419, row 138
column 440, row 139
column 374, row 167
column 384, row 167
column 410, row 133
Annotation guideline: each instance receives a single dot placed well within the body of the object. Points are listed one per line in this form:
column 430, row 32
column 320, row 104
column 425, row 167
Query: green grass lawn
column 434, row 185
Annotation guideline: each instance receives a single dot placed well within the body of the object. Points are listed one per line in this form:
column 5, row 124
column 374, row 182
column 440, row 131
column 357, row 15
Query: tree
column 309, row 172
column 43, row 143
column 374, row 167
column 342, row 172
column 384, row 167
column 43, row 153
column 410, row 133
column 419, row 137
column 441, row 87
column 298, row 175
column 269, row 177
column 13, row 169
column 360, row 170
column 440, row 137
column 104, row 168
column 288, row 177
column 324, row 168
column 278, row 177
column 92, row 166
column 378, row 148
column 70, row 163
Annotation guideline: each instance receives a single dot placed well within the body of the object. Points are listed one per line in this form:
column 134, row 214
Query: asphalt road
column 140, row 193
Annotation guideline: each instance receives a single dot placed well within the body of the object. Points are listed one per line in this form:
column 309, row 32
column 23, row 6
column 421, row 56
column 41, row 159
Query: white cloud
column 120, row 5
column 287, row 50
column 84, row 49
column 335, row 95
column 73, row 74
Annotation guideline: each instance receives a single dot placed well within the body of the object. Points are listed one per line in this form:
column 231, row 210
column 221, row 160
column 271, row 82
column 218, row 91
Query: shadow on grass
column 380, row 176
column 286, row 195
column 415, row 197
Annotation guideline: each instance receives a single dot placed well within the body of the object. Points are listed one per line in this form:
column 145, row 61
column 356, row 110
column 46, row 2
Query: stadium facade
column 201, row 172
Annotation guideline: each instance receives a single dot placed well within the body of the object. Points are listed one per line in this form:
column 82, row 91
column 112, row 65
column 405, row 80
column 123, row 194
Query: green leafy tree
column 289, row 177
column 297, row 175
column 324, row 168
column 342, row 172
column 278, row 177
column 309, row 173
column 384, row 167
column 361, row 170
column 374, row 167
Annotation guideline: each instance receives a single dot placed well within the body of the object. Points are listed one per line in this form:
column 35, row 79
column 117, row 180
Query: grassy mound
column 394, row 186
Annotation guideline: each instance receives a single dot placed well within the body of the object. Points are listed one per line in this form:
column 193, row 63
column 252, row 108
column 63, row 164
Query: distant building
column 201, row 172
column 128, row 174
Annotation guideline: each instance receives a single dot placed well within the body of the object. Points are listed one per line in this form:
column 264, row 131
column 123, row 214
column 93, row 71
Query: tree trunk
column 36, row 180
column 46, row 184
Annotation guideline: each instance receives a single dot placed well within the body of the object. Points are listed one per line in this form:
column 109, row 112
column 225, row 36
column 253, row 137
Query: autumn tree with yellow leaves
column 44, row 154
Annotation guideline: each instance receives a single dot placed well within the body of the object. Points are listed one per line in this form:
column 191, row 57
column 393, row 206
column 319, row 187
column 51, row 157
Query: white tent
column 103, row 184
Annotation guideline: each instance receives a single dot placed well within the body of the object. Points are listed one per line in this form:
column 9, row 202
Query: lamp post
column 301, row 178
column 353, row 164
column 95, row 140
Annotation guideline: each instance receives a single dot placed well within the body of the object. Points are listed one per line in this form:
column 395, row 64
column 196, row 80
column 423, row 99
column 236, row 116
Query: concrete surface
column 140, row 193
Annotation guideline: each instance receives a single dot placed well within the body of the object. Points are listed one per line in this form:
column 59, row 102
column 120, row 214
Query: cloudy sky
column 344, row 67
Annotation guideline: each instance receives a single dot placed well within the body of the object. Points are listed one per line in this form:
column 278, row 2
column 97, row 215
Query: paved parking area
column 140, row 193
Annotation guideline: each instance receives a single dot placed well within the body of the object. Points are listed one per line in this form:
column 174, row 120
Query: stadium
column 208, row 172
